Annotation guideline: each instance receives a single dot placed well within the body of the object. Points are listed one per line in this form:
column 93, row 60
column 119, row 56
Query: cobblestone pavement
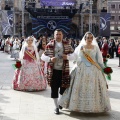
column 17, row 105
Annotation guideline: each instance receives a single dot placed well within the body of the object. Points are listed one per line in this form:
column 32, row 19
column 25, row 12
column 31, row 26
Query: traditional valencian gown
column 87, row 92
column 29, row 77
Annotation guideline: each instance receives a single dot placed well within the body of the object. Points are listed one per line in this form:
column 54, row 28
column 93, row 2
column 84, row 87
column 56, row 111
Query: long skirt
column 87, row 92
column 29, row 78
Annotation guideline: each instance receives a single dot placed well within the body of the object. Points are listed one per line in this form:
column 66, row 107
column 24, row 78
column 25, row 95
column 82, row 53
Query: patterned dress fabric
column 87, row 92
column 29, row 77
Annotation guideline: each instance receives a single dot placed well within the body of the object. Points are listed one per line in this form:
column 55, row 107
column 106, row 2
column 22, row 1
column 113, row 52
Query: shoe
column 107, row 86
column 60, row 107
column 56, row 111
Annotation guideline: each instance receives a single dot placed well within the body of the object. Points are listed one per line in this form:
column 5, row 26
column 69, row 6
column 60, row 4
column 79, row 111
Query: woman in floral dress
column 29, row 77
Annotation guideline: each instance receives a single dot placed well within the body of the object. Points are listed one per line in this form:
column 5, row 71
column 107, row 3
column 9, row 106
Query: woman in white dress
column 88, row 89
column 7, row 45
column 15, row 49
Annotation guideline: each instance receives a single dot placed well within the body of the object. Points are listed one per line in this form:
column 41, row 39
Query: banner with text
column 57, row 2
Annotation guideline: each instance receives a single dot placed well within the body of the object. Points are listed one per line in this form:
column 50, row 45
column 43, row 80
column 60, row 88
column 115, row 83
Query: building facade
column 114, row 9
column 16, row 7
column 84, row 20
column 85, row 14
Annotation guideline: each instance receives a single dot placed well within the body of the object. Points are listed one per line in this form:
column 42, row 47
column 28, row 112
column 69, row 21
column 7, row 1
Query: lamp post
column 1, row 18
column 14, row 23
column 0, row 4
column 82, row 23
column 90, row 16
column 81, row 16
column 23, row 5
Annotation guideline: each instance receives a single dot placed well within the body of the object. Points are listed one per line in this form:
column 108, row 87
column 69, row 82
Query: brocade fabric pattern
column 30, row 77
column 87, row 92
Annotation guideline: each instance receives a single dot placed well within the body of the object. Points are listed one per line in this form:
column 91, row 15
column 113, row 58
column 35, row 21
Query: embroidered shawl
column 49, row 51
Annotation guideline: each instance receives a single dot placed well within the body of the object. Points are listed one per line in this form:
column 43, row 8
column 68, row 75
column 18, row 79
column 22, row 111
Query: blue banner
column 105, row 24
column 7, row 22
column 47, row 24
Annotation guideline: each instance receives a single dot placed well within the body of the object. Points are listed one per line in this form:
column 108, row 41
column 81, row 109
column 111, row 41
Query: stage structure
column 48, row 18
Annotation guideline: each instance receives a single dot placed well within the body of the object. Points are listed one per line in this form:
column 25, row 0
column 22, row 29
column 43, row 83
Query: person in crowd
column 39, row 41
column 99, row 43
column 57, row 68
column 116, row 47
column 11, row 43
column 29, row 77
column 75, row 43
column 88, row 88
column 104, row 49
column 72, row 42
column 22, row 41
column 78, row 41
column 44, row 39
column 15, row 49
column 2, row 44
column 41, row 50
column 41, row 46
column 7, row 45
column 119, row 54
column 111, row 46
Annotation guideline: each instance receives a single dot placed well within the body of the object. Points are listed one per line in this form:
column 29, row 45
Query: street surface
column 18, row 105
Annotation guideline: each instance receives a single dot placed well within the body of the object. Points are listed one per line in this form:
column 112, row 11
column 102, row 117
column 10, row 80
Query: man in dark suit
column 111, row 48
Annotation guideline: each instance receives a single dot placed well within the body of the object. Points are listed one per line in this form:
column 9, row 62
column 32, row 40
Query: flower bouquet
column 108, row 71
column 17, row 65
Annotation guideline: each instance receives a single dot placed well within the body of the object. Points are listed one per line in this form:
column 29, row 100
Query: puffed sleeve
column 74, row 55
column 99, row 57
column 45, row 58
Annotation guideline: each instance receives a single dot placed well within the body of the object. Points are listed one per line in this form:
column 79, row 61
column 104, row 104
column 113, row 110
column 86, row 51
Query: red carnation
column 18, row 64
column 108, row 70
